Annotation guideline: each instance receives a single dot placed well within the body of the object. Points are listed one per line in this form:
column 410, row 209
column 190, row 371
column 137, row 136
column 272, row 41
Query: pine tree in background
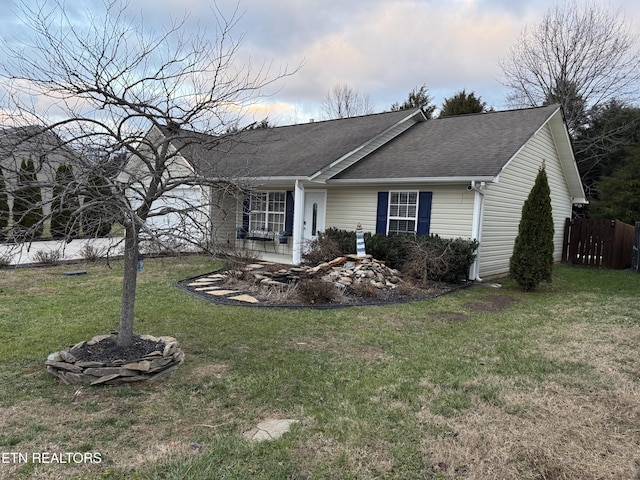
column 64, row 204
column 97, row 219
column 532, row 260
column 27, row 204
column 463, row 103
column 4, row 208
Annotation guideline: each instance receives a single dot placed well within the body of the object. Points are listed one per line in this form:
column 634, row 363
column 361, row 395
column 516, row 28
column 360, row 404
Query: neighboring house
column 44, row 148
column 462, row 176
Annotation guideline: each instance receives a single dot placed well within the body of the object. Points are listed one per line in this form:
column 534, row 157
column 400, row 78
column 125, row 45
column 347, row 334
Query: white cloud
column 383, row 48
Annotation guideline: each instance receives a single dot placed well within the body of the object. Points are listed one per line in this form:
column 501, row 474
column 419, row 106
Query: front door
column 314, row 213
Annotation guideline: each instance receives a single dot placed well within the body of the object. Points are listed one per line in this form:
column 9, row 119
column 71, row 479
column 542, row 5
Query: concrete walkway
column 29, row 253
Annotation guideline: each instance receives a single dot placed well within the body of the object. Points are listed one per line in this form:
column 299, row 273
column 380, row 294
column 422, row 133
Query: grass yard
column 484, row 383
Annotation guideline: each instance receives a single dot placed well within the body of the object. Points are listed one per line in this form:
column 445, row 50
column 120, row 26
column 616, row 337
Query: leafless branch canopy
column 101, row 85
column 582, row 54
column 343, row 101
column 119, row 94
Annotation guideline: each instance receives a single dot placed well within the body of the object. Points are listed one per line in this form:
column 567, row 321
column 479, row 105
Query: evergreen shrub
column 64, row 205
column 27, row 204
column 532, row 260
column 428, row 257
column 4, row 208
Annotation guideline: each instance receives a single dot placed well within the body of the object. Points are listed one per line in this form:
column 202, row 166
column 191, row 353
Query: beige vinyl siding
column 224, row 221
column 504, row 201
column 451, row 209
column 348, row 206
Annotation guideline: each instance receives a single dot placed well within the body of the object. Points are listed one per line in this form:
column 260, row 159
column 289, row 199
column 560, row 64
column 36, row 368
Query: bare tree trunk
column 125, row 332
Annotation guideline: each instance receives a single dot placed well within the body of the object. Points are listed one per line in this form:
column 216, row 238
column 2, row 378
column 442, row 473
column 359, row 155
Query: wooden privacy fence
column 598, row 243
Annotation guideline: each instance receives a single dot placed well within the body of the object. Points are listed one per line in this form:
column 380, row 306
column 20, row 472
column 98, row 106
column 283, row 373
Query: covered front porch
column 277, row 224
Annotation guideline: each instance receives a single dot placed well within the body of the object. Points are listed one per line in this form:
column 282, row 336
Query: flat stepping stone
column 244, row 298
column 75, row 272
column 220, row 293
column 204, row 289
column 269, row 429
column 253, row 266
column 200, row 283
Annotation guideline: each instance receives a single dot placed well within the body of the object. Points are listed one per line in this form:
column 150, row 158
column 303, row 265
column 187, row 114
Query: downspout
column 298, row 223
column 476, row 226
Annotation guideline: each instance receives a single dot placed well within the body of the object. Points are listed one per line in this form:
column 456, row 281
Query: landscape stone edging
column 149, row 368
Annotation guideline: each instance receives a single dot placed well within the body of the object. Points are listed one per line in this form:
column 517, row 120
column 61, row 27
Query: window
column 267, row 211
column 403, row 212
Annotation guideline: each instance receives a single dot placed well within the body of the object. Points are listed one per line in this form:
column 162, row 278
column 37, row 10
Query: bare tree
column 343, row 101
column 115, row 89
column 583, row 55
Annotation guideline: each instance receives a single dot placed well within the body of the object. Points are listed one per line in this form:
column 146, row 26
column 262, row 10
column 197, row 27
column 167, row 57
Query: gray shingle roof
column 458, row 146
column 291, row 151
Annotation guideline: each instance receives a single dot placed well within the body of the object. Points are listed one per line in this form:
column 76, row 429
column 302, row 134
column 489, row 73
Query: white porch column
column 298, row 223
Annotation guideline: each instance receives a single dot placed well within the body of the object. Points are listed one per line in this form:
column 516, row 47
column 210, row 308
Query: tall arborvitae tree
column 27, row 204
column 97, row 216
column 64, row 205
column 532, row 260
column 4, row 208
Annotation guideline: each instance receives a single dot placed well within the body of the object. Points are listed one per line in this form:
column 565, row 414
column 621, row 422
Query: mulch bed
column 108, row 350
column 412, row 294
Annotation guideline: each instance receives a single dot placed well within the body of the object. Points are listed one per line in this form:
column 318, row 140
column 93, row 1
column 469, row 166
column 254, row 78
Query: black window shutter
column 424, row 212
column 381, row 214
column 288, row 220
column 246, row 205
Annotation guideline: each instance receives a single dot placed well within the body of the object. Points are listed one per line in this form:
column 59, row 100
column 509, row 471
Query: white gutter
column 413, row 180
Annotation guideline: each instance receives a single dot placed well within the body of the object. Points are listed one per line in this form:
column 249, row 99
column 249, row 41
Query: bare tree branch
column 343, row 101
column 584, row 56
column 117, row 96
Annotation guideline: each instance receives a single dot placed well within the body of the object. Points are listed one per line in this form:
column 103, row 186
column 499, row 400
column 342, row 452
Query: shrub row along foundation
column 72, row 367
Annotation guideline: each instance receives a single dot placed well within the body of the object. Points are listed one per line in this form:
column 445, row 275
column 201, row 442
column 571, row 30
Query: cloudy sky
column 381, row 48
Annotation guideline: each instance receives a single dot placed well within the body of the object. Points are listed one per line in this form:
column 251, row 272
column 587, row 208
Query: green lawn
column 483, row 383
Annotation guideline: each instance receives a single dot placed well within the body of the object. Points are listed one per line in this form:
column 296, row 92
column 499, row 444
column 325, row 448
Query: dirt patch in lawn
column 209, row 370
column 493, row 303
